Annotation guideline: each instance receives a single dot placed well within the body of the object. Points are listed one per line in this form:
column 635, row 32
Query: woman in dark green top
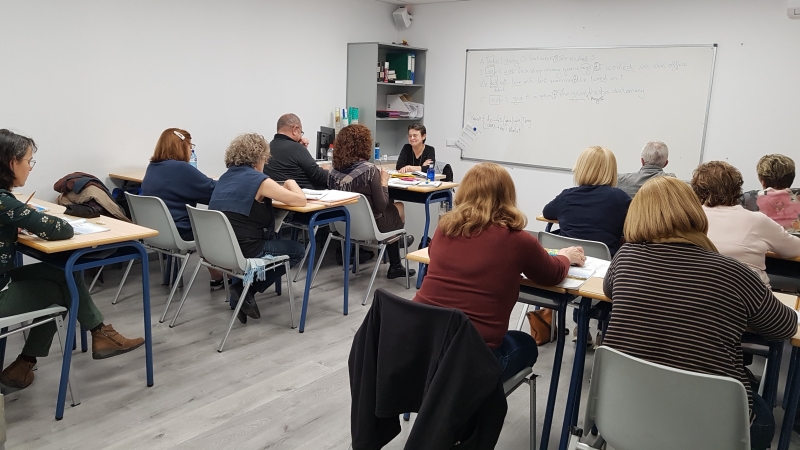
column 38, row 286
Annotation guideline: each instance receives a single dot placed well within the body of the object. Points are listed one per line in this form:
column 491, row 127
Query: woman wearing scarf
column 353, row 172
column 679, row 303
column 244, row 194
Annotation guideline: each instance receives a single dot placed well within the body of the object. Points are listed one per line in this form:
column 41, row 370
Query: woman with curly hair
column 244, row 194
column 353, row 172
column 741, row 234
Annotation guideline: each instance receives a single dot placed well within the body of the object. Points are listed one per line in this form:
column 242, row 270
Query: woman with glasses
column 38, row 286
column 171, row 178
column 416, row 156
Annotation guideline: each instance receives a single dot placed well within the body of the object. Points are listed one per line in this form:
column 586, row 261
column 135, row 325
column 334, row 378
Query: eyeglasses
column 31, row 162
column 302, row 133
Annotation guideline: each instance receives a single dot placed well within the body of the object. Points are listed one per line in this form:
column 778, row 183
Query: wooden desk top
column 542, row 219
column 135, row 176
column 444, row 186
column 119, row 231
column 312, row 206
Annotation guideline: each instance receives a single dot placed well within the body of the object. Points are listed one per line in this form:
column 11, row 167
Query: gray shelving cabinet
column 369, row 95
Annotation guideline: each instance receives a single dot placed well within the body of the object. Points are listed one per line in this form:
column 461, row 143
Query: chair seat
column 513, row 382
column 19, row 318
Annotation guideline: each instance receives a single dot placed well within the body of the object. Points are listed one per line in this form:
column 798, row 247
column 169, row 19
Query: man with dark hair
column 290, row 158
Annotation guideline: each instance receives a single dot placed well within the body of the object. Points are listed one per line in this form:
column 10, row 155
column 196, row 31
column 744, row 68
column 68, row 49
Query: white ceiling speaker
column 401, row 17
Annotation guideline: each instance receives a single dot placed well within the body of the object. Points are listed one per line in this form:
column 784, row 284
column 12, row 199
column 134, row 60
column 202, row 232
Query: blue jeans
column 276, row 247
column 517, row 351
column 762, row 430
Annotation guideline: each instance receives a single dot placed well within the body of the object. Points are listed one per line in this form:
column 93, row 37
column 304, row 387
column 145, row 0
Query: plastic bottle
column 431, row 173
column 193, row 159
column 330, row 153
column 377, row 151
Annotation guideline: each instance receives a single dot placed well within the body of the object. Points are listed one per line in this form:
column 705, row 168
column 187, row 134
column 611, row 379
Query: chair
column 364, row 232
column 40, row 317
column 558, row 303
column 637, row 404
column 218, row 249
column 151, row 212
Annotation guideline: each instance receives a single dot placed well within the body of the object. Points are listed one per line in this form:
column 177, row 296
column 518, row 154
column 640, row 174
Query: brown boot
column 18, row 374
column 106, row 342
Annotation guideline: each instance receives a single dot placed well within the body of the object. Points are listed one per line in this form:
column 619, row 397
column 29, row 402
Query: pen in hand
column 29, row 198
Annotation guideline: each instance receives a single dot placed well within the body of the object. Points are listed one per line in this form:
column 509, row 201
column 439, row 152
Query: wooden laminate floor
column 272, row 387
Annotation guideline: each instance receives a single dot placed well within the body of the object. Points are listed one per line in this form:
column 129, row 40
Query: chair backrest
column 362, row 222
column 590, row 248
column 637, row 404
column 151, row 212
column 215, row 240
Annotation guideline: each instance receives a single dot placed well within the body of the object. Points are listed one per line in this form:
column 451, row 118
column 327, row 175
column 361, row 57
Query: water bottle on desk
column 431, row 173
column 377, row 151
column 193, row 159
column 330, row 153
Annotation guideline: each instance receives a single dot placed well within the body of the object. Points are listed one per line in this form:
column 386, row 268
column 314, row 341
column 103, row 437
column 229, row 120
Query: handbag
column 541, row 322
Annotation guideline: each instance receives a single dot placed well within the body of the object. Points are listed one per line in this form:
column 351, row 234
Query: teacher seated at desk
column 744, row 235
column 353, row 172
column 477, row 255
column 177, row 183
column 38, row 286
column 679, row 303
column 415, row 156
column 244, row 194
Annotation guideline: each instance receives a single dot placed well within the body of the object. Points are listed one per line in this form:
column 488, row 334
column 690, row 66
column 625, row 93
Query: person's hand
column 304, row 141
column 291, row 185
column 427, row 162
column 574, row 254
column 384, row 177
column 405, row 169
column 326, row 166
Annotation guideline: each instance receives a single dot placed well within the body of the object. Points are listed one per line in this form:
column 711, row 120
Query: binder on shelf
column 402, row 64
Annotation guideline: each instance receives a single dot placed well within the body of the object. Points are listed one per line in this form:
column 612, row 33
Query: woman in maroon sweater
column 477, row 255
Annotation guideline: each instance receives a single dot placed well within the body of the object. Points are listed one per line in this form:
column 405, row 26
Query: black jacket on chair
column 409, row 357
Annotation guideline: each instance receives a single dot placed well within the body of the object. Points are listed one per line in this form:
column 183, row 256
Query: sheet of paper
column 600, row 266
column 468, row 136
column 81, row 226
column 576, row 277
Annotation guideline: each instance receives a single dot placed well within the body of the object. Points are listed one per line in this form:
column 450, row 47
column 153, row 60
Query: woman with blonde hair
column 477, row 254
column 595, row 209
column 678, row 302
column 244, row 194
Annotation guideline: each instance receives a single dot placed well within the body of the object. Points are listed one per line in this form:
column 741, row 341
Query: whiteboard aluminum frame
column 564, row 169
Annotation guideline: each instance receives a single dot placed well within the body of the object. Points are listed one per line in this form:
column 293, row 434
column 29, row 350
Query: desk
column 135, row 176
column 313, row 215
column 122, row 237
column 426, row 195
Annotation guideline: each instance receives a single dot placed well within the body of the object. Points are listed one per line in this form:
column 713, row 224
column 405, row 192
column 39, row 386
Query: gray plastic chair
column 525, row 376
column 364, row 232
column 637, row 404
column 55, row 314
column 151, row 212
column 218, row 249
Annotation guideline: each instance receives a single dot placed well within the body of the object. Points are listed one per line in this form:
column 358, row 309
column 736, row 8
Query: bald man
column 290, row 158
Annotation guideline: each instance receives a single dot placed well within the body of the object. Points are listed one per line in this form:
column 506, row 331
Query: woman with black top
column 416, row 156
column 244, row 194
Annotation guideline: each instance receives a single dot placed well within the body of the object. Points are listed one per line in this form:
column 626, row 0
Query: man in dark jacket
column 290, row 159
column 410, row 357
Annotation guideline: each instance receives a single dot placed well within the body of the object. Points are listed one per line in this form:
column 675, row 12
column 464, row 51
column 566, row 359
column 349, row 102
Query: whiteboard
column 543, row 106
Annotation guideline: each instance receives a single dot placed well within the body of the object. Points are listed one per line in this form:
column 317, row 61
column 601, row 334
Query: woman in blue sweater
column 595, row 210
column 171, row 178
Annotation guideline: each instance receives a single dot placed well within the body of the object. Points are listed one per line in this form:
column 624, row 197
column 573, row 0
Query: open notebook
column 328, row 195
column 81, row 226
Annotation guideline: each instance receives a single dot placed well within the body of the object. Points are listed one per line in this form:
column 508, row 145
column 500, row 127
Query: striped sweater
column 685, row 307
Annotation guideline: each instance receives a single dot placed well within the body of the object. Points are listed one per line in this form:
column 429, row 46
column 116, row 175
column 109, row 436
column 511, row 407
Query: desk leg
column 792, row 392
column 574, row 396
column 773, row 372
column 70, row 337
column 148, row 331
column 554, row 377
column 312, row 249
column 347, row 259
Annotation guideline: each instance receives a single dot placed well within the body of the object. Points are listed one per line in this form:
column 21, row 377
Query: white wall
column 755, row 105
column 94, row 82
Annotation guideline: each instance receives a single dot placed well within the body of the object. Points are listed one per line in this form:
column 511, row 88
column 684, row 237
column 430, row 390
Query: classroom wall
column 95, row 82
column 755, row 105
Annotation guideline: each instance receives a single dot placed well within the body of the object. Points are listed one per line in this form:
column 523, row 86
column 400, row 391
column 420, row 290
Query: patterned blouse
column 14, row 215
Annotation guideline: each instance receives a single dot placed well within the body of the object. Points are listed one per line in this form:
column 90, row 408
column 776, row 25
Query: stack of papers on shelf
column 328, row 196
column 81, row 226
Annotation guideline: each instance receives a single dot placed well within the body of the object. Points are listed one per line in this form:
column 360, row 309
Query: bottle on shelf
column 193, row 159
column 330, row 153
column 431, row 172
column 377, row 151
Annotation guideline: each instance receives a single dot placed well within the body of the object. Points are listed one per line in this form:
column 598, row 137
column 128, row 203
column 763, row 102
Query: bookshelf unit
column 365, row 92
